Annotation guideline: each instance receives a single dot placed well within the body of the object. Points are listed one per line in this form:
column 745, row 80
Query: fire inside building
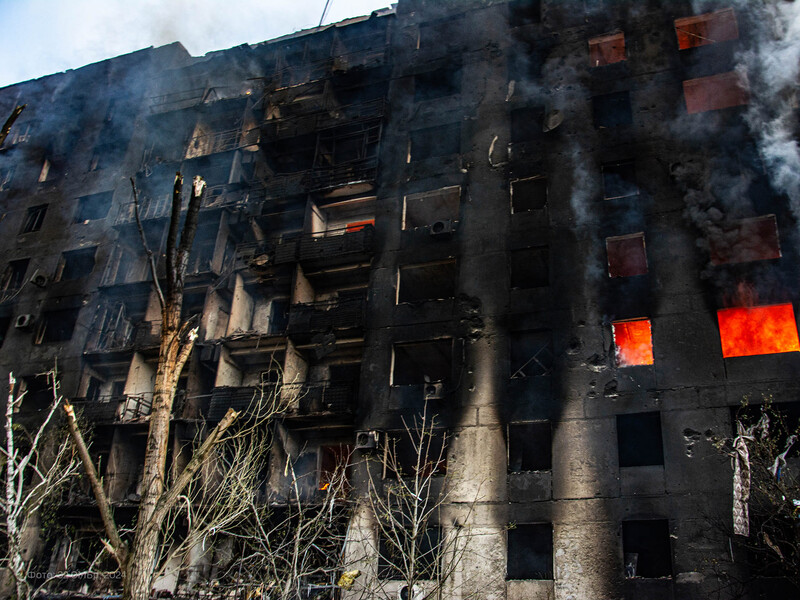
column 531, row 256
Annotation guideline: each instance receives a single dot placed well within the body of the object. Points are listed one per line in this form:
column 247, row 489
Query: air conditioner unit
column 23, row 321
column 434, row 390
column 416, row 593
column 39, row 279
column 366, row 440
column 442, row 228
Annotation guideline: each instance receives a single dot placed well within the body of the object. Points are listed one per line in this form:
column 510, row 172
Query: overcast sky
column 41, row 37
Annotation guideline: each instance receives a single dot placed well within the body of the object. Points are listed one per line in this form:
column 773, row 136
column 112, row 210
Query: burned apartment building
column 568, row 229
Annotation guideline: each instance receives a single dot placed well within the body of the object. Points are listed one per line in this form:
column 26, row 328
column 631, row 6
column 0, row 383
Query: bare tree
column 35, row 471
column 137, row 557
column 420, row 542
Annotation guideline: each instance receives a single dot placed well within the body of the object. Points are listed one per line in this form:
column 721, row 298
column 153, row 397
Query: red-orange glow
column 358, row 225
column 758, row 330
column 634, row 342
column 715, row 92
column 709, row 28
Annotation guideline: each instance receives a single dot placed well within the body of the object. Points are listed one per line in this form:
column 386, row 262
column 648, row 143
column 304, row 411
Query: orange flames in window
column 747, row 331
column 634, row 342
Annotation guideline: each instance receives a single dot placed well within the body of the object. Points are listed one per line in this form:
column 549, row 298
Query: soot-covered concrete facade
column 528, row 218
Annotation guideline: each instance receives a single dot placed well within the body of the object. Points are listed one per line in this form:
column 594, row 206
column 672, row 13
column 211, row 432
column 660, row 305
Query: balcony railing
column 326, row 397
column 221, row 141
column 115, row 409
column 127, row 335
column 325, row 117
column 361, row 171
column 333, row 245
column 243, row 399
column 340, row 314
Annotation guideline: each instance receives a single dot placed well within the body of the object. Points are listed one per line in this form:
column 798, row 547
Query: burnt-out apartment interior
column 566, row 229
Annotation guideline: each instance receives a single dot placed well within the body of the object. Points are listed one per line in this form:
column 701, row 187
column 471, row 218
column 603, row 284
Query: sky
column 41, row 37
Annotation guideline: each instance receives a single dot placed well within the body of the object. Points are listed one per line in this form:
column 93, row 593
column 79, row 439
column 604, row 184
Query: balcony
column 337, row 315
column 126, row 336
column 337, row 246
column 241, row 399
column 322, row 117
column 350, row 173
column 221, row 141
column 325, row 398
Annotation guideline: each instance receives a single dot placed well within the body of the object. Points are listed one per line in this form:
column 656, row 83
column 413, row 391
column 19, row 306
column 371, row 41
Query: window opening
column 333, row 467
column 391, row 559
column 437, row 84
column 410, row 453
column 435, row 141
column 639, row 440
column 34, row 218
column 529, row 447
column 607, row 49
column 14, row 275
column 57, row 325
column 76, row 264
column 422, row 362
column 524, row 12
column 612, row 110
column 619, row 180
column 93, row 207
column 526, row 123
column 430, row 281
column 646, row 548
column 531, row 354
column 529, row 268
column 626, row 255
column 530, row 551
column 528, row 194
column 715, row 92
column 748, row 331
column 745, row 240
column 425, row 208
column 5, row 323
column 709, row 28
column 633, row 342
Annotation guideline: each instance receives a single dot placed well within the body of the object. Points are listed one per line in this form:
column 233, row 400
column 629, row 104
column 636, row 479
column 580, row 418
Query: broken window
column 5, row 323
column 646, row 548
column 626, row 255
column 93, row 207
column 14, row 275
column 529, row 267
column 607, row 49
column 745, row 240
column 524, row 12
column 619, row 180
column 748, row 331
column 429, row 281
column 34, row 218
column 437, row 84
column 422, row 362
column 526, row 123
column 278, row 316
column 529, row 447
column 75, row 264
column 710, row 28
column 347, row 216
column 529, row 551
column 612, row 110
column 413, row 452
column 57, row 325
column 435, row 141
column 531, row 354
column 426, row 208
column 715, row 92
column 393, row 553
column 633, row 342
column 333, row 467
column 528, row 194
column 6, row 176
column 639, row 440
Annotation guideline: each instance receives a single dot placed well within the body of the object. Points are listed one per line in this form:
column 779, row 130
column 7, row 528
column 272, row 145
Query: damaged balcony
column 342, row 315
column 337, row 246
column 310, row 118
column 125, row 408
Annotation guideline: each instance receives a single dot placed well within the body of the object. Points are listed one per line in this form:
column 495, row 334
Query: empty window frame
column 420, row 362
column 528, row 194
column 76, row 264
column 524, row 12
column 412, row 452
column 607, row 49
column 529, row 551
column 5, row 323
column 34, row 217
column 57, row 325
column 6, row 177
column 440, row 83
column 748, row 331
column 531, row 353
column 333, row 467
column 434, row 141
column 639, row 440
column 633, row 342
column 14, row 275
column 529, row 267
column 715, row 92
column 612, row 110
column 646, row 548
column 394, row 550
column 526, row 123
column 619, row 180
column 745, row 240
column 429, row 281
column 709, row 28
column 426, row 208
column 529, row 447
column 93, row 207
column 626, row 255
